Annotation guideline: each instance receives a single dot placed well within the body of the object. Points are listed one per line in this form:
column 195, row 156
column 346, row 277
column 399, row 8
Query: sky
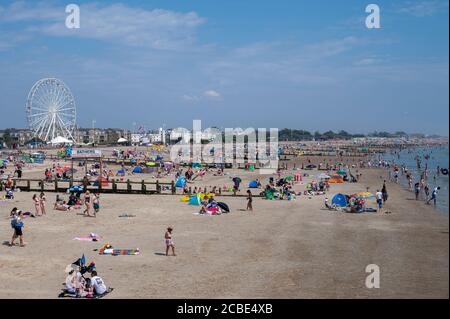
column 310, row 65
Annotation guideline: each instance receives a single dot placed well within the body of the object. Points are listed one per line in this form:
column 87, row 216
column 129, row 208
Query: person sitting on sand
column 74, row 283
column 169, row 241
column 97, row 284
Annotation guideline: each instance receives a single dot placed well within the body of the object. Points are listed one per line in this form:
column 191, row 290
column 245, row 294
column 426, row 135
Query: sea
column 431, row 157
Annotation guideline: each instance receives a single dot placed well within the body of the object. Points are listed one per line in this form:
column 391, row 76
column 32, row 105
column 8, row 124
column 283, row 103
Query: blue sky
column 237, row 63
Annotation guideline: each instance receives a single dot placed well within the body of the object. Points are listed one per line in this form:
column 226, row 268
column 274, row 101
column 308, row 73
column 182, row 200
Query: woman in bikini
column 87, row 203
column 37, row 205
column 42, row 200
column 169, row 241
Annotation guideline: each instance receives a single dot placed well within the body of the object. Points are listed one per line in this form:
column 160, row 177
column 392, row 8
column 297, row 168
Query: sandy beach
column 284, row 249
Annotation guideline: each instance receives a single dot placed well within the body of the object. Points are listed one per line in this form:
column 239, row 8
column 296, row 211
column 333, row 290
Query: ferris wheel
column 51, row 110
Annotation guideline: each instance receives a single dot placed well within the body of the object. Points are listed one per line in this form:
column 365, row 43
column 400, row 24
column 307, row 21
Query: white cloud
column 190, row 98
column 423, row 8
column 117, row 23
column 211, row 93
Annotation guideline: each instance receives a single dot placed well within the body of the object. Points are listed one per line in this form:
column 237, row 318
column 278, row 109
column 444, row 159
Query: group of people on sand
column 82, row 287
column 39, row 204
column 91, row 204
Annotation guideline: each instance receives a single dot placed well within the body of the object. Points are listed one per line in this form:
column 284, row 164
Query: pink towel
column 87, row 238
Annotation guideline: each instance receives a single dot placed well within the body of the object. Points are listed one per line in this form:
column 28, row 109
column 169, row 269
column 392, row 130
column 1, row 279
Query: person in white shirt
column 434, row 195
column 379, row 196
column 97, row 284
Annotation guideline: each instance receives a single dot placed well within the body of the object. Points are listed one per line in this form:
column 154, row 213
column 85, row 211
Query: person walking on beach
column 384, row 192
column 426, row 189
column 17, row 225
column 379, row 197
column 169, row 241
column 87, row 204
column 417, row 190
column 249, row 200
column 96, row 203
column 37, row 205
column 42, row 201
column 434, row 195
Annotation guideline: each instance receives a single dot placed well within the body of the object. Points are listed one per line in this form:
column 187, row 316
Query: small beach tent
column 181, row 182
column 336, row 179
column 137, row 170
column 196, row 165
column 253, row 184
column 195, row 200
column 342, row 172
column 289, row 178
column 224, row 207
column 122, row 140
column 269, row 194
column 340, row 200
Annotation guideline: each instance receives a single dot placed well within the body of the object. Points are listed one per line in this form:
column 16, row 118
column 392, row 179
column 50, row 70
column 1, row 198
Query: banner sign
column 84, row 153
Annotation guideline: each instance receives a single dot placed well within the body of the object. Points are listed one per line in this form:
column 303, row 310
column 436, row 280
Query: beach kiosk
column 88, row 154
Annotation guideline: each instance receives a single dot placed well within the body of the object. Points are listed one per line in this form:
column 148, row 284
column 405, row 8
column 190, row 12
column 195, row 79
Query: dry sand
column 284, row 249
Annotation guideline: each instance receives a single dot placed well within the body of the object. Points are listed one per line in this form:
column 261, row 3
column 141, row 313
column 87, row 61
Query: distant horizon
column 147, row 130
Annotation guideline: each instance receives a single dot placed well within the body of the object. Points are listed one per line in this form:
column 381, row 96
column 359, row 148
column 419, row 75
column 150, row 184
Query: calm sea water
column 438, row 156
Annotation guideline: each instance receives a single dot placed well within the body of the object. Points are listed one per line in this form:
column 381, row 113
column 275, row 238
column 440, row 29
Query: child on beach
column 96, row 203
column 169, row 241
column 249, row 200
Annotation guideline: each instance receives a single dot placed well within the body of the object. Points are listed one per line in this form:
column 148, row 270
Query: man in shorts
column 379, row 197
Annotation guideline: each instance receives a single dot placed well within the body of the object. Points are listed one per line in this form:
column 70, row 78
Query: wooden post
column 28, row 185
column 158, row 190
column 128, row 186
column 174, row 190
column 56, row 185
column 220, row 190
column 143, row 188
column 114, row 185
column 190, row 190
column 101, row 175
column 42, row 185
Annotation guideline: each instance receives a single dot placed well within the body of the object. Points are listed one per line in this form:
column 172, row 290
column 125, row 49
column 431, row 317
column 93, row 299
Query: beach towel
column 117, row 252
column 88, row 238
column 65, row 294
